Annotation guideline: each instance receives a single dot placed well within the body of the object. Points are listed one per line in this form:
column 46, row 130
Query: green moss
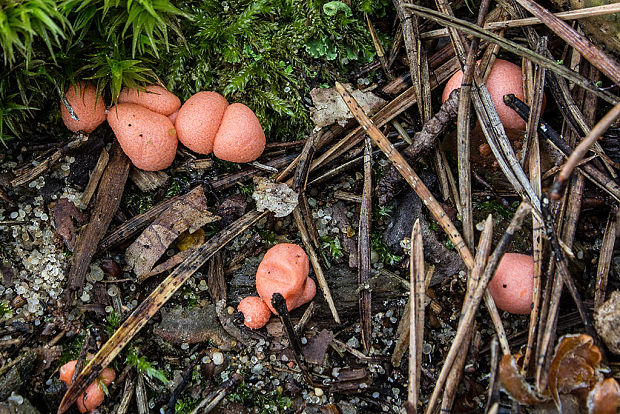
column 72, row 349
column 185, row 405
column 267, row 54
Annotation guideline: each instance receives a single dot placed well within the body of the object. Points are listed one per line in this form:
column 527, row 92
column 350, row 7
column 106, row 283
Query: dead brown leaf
column 317, row 346
column 514, row 383
column 574, row 366
column 65, row 212
column 574, row 371
column 189, row 213
column 604, row 397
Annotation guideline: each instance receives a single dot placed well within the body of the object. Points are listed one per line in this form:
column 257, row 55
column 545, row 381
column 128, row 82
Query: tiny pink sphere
column 255, row 312
column 512, row 285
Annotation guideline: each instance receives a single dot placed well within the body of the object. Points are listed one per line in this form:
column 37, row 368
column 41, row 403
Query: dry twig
column 364, row 266
column 604, row 259
column 577, row 155
column 417, row 296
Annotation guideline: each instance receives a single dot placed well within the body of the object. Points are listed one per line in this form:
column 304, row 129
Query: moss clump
column 269, row 53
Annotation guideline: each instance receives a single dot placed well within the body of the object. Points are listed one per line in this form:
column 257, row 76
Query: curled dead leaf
column 575, row 365
column 514, row 383
column 604, row 397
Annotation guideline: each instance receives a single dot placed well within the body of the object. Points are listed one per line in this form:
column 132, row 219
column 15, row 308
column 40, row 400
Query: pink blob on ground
column 505, row 78
column 199, row 120
column 255, row 312
column 512, row 284
column 284, row 270
column 240, row 137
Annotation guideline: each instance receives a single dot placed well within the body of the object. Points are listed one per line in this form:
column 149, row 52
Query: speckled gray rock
column 188, row 326
column 607, row 322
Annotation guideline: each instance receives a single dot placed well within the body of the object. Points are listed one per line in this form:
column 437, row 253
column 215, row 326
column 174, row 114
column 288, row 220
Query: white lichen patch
column 278, row 198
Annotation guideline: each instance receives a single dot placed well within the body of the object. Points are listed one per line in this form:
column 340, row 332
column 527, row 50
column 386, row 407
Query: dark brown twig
column 107, row 202
column 584, row 146
column 279, row 304
column 363, row 251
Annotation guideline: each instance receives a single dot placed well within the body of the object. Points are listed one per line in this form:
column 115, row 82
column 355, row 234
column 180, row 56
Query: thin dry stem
column 416, row 315
column 482, row 253
column 604, row 260
column 584, row 146
column 364, row 267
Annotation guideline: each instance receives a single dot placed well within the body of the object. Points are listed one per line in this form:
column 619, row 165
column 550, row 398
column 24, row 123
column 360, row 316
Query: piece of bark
column 148, row 181
column 65, row 212
column 106, row 203
column 215, row 278
column 95, row 176
column 317, row 346
column 191, row 213
column 192, row 326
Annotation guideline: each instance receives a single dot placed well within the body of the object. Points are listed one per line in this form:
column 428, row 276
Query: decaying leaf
column 514, row 383
column 188, row 240
column 317, row 346
column 167, row 265
column 575, row 365
column 574, row 371
column 189, row 213
column 64, row 213
column 329, row 107
column 604, row 397
column 278, row 198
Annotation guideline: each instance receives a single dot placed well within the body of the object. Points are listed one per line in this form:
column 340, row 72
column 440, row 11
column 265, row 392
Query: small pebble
column 218, row 358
